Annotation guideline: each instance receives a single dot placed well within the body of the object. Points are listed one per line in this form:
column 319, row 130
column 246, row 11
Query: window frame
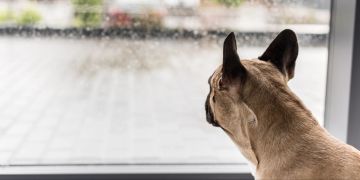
column 353, row 133
column 341, row 38
column 339, row 117
column 102, row 172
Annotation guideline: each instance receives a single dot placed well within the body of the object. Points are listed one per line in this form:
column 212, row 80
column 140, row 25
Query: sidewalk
column 121, row 101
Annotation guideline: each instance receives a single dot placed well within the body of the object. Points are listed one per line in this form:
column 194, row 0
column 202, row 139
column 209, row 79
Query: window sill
column 69, row 172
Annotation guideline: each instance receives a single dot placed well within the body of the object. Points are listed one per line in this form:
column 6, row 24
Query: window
column 124, row 82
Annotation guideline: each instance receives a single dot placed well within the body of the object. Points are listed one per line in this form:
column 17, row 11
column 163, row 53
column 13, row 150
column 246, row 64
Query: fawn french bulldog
column 251, row 101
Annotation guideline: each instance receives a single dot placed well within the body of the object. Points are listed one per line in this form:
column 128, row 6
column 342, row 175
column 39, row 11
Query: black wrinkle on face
column 209, row 114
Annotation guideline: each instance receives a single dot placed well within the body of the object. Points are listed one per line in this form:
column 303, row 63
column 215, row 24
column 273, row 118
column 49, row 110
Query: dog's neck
column 282, row 121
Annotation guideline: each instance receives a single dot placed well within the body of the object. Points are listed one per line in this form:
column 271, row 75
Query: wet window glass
column 125, row 81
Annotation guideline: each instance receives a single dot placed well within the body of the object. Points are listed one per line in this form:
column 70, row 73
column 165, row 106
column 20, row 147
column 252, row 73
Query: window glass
column 125, row 81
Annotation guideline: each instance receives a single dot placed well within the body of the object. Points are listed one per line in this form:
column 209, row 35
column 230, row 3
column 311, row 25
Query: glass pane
column 124, row 81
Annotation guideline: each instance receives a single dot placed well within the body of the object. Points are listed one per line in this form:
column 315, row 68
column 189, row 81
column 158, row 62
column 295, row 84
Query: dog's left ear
column 232, row 68
column 282, row 52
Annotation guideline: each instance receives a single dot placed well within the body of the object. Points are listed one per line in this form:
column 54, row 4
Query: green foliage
column 88, row 13
column 28, row 17
column 87, row 2
column 230, row 3
column 6, row 16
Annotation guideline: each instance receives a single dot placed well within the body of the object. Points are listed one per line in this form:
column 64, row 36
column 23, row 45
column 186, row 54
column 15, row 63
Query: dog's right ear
column 232, row 68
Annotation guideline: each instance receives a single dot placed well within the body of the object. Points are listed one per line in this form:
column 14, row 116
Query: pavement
column 113, row 101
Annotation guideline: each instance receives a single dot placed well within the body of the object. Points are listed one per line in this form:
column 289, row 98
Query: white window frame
column 337, row 105
column 337, row 101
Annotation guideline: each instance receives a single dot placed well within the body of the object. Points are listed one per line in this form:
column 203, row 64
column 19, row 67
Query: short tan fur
column 251, row 101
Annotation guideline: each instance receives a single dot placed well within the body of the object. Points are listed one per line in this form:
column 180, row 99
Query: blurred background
column 237, row 15
column 125, row 81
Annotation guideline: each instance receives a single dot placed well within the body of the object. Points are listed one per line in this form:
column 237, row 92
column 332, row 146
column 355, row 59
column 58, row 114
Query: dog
column 251, row 101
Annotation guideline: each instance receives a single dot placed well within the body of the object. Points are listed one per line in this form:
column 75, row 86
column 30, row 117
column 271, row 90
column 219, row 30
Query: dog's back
column 326, row 158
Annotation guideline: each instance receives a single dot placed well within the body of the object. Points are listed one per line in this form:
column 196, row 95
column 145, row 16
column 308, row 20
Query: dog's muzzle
column 209, row 114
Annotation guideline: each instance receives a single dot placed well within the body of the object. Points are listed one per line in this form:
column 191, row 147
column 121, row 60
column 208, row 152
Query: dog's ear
column 283, row 52
column 232, row 68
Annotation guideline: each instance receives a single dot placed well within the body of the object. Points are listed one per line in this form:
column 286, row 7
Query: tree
column 88, row 13
column 229, row 3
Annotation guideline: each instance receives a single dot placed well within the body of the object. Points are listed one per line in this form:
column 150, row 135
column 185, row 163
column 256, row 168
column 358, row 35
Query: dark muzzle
column 209, row 114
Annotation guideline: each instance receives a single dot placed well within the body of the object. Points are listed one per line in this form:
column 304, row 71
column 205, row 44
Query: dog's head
column 236, row 87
